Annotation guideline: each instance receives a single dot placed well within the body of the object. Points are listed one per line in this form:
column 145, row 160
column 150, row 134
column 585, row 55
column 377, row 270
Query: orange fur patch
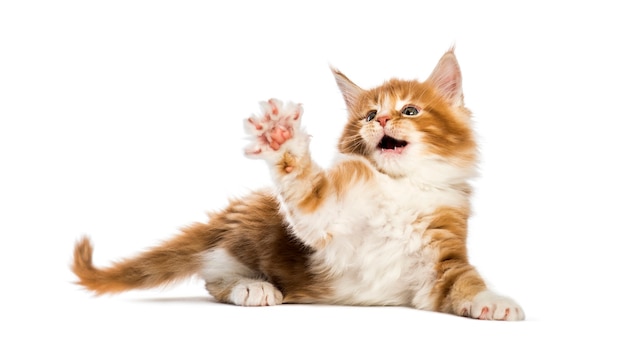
column 336, row 182
column 316, row 194
column 345, row 174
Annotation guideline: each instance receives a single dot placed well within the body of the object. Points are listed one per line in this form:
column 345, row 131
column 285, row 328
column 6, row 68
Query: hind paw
column 255, row 294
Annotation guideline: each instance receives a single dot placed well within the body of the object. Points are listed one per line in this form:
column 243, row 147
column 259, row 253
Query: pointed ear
column 446, row 78
column 349, row 90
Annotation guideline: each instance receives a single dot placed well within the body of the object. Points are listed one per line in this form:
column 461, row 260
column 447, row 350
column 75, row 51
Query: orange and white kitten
column 386, row 224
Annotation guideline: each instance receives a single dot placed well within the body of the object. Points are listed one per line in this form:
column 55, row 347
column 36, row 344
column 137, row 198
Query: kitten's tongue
column 390, row 144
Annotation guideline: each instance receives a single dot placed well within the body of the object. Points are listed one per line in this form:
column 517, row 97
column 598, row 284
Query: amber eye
column 370, row 116
column 410, row 111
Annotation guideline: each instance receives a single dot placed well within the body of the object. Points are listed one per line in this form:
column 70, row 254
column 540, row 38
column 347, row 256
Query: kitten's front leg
column 459, row 289
column 276, row 137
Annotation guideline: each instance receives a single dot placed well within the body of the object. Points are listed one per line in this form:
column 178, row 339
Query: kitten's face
column 401, row 125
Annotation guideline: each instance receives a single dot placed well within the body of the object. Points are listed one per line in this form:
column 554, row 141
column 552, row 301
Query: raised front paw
column 491, row 306
column 277, row 124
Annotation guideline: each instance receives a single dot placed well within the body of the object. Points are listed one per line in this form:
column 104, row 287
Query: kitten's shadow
column 195, row 300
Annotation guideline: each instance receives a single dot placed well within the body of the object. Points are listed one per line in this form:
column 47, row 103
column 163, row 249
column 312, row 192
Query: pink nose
column 382, row 120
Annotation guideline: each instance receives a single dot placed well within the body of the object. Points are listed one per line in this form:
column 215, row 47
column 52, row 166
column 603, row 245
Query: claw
column 249, row 151
column 484, row 313
column 255, row 124
column 296, row 116
column 274, row 106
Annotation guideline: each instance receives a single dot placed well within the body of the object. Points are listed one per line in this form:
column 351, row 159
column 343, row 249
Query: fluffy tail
column 176, row 259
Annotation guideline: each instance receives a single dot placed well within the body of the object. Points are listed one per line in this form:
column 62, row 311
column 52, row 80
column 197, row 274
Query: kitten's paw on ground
column 491, row 306
column 276, row 125
column 255, row 294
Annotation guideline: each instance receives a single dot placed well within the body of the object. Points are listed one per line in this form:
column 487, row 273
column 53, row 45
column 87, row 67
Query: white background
column 123, row 120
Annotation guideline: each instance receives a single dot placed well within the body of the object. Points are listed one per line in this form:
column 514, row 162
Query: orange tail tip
column 115, row 279
column 83, row 251
column 88, row 276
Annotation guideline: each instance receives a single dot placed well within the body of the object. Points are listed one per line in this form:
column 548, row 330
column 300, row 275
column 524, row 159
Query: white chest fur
column 378, row 254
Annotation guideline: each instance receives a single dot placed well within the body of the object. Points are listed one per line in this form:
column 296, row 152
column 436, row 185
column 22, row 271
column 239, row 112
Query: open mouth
column 390, row 144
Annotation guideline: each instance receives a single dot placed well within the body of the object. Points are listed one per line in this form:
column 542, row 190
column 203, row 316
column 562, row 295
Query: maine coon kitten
column 386, row 224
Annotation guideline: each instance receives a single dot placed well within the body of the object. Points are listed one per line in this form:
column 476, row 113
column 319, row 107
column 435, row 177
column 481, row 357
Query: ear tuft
column 349, row 90
column 446, row 78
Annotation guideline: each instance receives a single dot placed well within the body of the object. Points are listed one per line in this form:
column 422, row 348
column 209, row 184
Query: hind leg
column 230, row 281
